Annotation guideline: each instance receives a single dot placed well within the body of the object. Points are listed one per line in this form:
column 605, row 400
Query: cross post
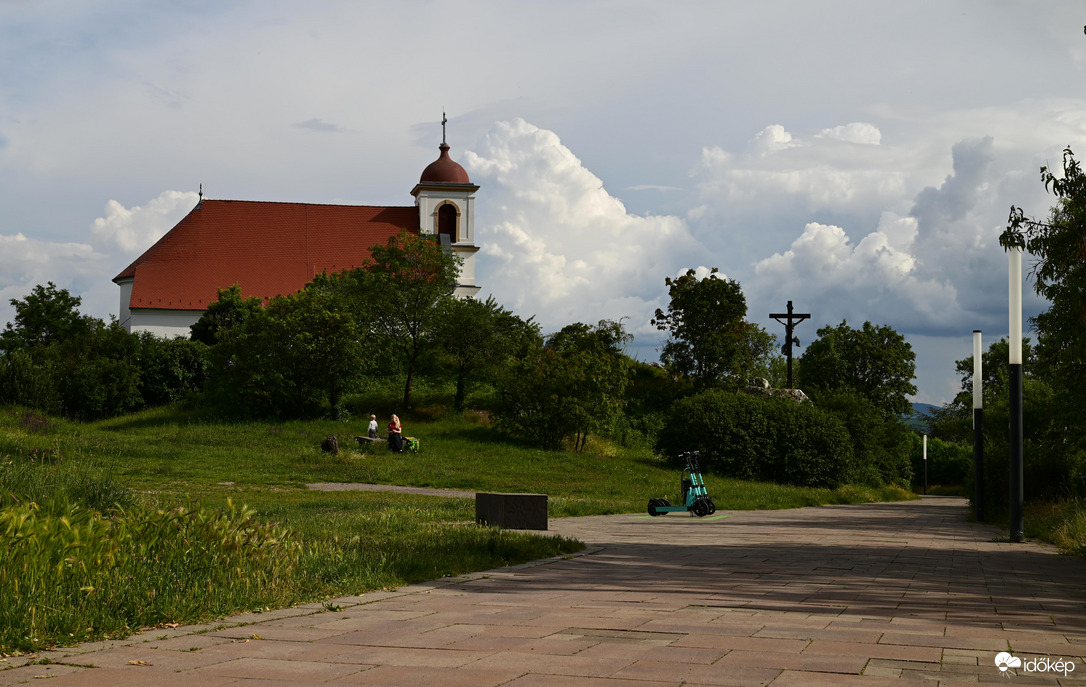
column 790, row 321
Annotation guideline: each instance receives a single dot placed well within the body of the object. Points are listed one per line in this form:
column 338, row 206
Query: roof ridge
column 302, row 203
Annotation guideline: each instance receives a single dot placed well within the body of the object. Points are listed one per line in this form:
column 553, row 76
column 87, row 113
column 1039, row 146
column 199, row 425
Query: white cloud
column 86, row 268
column 555, row 244
column 856, row 132
column 133, row 230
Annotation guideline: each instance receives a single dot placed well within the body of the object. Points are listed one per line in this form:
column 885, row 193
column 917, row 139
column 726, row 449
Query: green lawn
column 102, row 576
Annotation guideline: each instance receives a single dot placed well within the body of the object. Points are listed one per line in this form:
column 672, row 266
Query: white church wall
column 167, row 324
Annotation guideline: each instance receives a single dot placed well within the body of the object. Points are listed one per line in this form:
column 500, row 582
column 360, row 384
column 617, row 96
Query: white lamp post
column 1014, row 369
column 978, row 426
column 925, row 465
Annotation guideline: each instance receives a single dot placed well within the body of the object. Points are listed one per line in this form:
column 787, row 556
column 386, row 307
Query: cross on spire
column 444, row 119
column 790, row 322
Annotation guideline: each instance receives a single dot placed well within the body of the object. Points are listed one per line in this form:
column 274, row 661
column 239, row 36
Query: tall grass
column 71, row 573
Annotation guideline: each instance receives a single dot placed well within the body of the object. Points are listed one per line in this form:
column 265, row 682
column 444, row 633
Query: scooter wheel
column 653, row 503
column 700, row 508
column 712, row 506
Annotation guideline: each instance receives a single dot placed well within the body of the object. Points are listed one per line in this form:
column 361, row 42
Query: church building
column 274, row 248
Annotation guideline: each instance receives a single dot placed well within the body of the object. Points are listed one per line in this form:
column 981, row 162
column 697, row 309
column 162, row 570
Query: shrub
column 758, row 438
column 948, row 463
column 881, row 443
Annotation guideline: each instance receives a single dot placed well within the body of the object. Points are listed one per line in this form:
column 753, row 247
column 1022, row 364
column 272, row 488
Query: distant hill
column 919, row 420
column 924, row 408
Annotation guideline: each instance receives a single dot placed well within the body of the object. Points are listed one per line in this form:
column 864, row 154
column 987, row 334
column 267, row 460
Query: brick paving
column 866, row 595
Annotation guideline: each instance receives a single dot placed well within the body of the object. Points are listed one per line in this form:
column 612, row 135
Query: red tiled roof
column 270, row 249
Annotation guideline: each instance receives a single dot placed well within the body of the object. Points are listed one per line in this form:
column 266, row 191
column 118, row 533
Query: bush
column 948, row 463
column 759, row 438
column 881, row 443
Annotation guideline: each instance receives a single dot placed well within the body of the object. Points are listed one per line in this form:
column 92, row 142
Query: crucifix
column 444, row 120
column 790, row 321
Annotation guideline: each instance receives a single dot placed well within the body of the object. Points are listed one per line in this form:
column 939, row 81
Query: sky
column 858, row 158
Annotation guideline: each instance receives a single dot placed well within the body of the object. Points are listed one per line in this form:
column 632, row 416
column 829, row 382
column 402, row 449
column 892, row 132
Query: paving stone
column 865, row 595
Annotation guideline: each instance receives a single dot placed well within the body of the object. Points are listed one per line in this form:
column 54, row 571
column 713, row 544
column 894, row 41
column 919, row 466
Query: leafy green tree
column 230, row 309
column 477, row 338
column 875, row 362
column 398, row 298
column 285, row 359
column 597, row 374
column 1059, row 246
column 47, row 315
column 571, row 386
column 708, row 338
column 881, row 443
column 96, row 371
column 170, row 369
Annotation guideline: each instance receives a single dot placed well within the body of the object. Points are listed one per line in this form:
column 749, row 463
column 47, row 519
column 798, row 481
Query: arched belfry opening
column 448, row 221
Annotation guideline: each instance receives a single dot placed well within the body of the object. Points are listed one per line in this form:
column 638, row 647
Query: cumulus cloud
column 86, row 268
column 133, row 230
column 26, row 262
column 842, row 168
column 555, row 244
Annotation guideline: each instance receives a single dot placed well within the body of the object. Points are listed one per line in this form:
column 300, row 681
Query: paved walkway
column 883, row 594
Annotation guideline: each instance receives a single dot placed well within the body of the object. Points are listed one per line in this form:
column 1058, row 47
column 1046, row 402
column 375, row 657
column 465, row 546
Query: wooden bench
column 512, row 511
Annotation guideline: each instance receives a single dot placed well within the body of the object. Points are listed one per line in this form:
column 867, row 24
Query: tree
column 708, row 338
column 293, row 355
column 170, row 369
column 875, row 362
column 229, row 310
column 569, row 387
column 47, row 315
column 596, row 373
column 1059, row 272
column 398, row 296
column 476, row 339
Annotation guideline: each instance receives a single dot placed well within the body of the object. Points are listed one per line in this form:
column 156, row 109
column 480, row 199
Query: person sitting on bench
column 395, row 435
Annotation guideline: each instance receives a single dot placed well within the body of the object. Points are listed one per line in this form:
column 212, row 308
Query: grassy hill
column 216, row 518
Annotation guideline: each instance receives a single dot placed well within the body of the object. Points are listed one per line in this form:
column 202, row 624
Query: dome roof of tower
column 444, row 170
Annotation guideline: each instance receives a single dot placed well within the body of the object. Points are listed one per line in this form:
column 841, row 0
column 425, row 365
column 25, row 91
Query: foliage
column 95, row 371
column 881, row 444
column 570, row 387
column 476, row 339
column 46, row 316
column 875, row 362
column 77, row 574
column 708, row 337
column 1059, row 272
column 230, row 309
column 948, row 463
column 170, row 369
column 760, row 438
column 295, row 355
column 400, row 294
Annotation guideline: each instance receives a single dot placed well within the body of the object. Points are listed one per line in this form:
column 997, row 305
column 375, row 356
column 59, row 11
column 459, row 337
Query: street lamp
column 1014, row 370
column 978, row 426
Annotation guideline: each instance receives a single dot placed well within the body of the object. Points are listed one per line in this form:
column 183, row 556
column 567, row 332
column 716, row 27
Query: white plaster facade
column 429, row 199
column 164, row 323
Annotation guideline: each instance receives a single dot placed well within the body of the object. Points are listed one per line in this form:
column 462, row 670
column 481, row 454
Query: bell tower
column 445, row 198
